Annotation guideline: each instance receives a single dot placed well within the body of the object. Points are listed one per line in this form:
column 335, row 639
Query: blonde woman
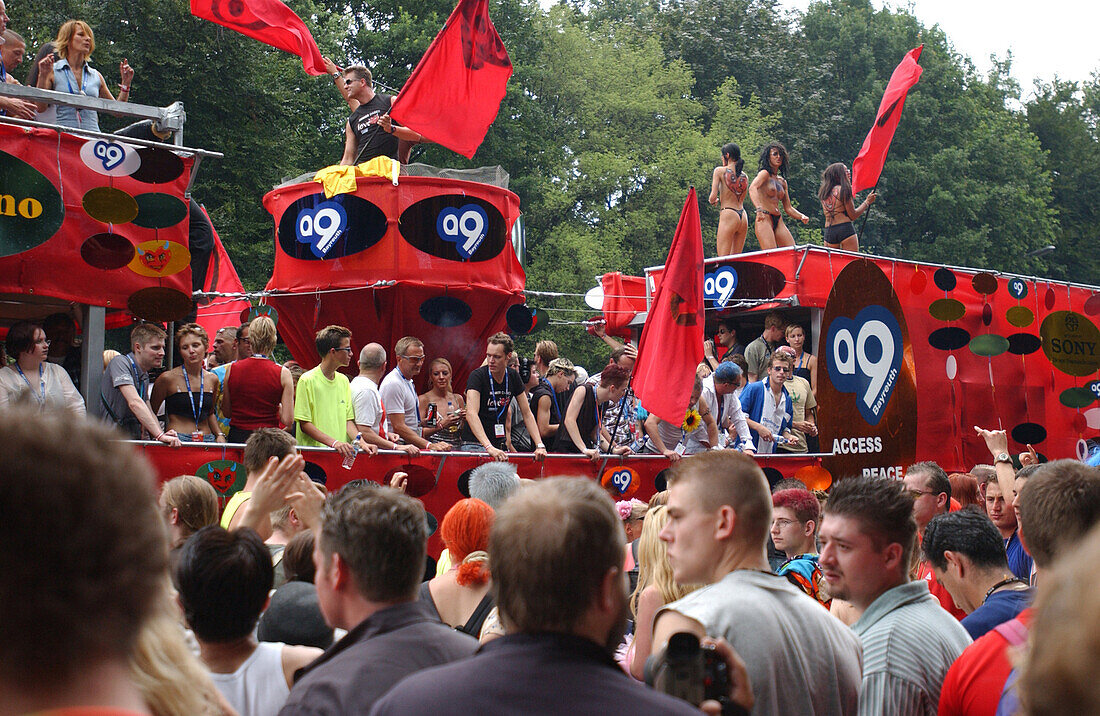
column 67, row 69
column 655, row 589
column 170, row 678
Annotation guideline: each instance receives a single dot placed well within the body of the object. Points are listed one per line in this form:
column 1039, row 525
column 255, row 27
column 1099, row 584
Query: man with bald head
column 365, row 398
column 800, row 659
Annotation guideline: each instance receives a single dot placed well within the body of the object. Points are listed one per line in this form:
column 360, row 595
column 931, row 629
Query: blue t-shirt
column 998, row 609
column 1019, row 561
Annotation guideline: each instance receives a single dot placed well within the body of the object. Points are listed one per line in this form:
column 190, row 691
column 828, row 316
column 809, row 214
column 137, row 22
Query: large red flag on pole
column 454, row 94
column 868, row 164
column 672, row 340
column 268, row 21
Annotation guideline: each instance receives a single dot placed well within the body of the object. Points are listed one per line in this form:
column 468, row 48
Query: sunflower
column 692, row 420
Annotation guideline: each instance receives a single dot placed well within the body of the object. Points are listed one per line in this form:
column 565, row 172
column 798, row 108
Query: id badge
column 680, row 449
column 498, row 430
column 197, row 436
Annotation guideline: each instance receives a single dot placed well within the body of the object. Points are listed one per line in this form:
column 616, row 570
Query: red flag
column 221, row 277
column 868, row 164
column 672, row 340
column 623, row 298
column 454, row 94
column 268, row 21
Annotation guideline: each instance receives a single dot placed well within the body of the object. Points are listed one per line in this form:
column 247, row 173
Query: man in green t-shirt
column 322, row 401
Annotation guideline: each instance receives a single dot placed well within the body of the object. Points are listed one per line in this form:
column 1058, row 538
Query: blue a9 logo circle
column 1017, row 288
column 465, row 227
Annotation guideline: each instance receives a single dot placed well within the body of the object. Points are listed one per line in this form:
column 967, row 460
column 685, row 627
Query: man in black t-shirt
column 489, row 389
column 368, row 133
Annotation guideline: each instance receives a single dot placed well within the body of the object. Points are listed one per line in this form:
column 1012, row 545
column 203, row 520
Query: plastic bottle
column 349, row 460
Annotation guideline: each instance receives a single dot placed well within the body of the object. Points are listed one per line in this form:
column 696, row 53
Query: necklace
column 1002, row 583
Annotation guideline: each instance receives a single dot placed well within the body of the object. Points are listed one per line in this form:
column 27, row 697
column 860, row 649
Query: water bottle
column 349, row 460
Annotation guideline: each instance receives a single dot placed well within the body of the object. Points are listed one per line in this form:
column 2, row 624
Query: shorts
column 838, row 232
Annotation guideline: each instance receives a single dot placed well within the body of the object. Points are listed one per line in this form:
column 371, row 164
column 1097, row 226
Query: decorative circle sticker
column 1071, row 342
column 160, row 258
column 30, row 206
column 621, row 481
column 113, row 159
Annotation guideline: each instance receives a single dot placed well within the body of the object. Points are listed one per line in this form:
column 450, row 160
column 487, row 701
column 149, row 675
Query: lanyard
column 139, row 382
column 83, row 85
column 553, row 397
column 41, row 382
column 596, row 410
column 493, row 393
column 191, row 396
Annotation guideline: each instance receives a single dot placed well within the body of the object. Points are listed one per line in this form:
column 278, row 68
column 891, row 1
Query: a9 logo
column 466, row 227
column 719, row 286
column 622, row 481
column 321, row 226
column 864, row 357
column 1017, row 288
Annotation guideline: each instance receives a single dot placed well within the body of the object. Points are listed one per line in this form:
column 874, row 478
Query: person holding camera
column 800, row 659
column 556, row 549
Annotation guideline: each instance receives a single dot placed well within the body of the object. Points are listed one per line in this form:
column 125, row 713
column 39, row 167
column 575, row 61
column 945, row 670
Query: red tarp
column 623, row 298
column 221, row 277
column 268, row 21
column 437, row 479
column 94, row 221
column 445, row 245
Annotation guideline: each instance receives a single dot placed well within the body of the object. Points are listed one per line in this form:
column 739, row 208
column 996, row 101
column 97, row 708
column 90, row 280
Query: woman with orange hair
column 460, row 596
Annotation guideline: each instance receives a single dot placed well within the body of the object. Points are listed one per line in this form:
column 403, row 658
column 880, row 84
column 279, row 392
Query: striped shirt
column 909, row 642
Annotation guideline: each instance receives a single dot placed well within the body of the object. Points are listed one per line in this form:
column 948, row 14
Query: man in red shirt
column 1058, row 505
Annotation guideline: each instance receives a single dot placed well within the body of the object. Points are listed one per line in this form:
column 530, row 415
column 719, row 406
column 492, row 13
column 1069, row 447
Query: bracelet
column 123, row 88
column 157, row 438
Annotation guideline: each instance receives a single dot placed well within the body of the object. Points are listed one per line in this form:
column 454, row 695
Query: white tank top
column 258, row 687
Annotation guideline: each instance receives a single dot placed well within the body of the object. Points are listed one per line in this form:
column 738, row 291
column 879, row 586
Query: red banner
column 454, row 94
column 867, row 166
column 623, row 298
column 672, row 340
column 221, row 277
column 268, row 21
column 96, row 221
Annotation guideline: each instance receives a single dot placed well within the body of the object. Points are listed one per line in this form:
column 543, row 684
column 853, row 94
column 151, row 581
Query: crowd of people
column 757, row 399
column 881, row 596
column 770, row 194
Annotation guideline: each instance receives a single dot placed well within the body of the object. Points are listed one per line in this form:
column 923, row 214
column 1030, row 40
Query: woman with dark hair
column 836, row 201
column 67, row 70
column 728, row 188
column 769, row 193
column 47, row 384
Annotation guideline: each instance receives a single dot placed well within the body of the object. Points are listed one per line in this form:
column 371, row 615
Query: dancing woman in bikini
column 730, row 184
column 836, row 201
column 768, row 192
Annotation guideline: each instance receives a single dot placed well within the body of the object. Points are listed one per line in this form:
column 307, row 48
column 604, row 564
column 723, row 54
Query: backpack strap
column 1014, row 631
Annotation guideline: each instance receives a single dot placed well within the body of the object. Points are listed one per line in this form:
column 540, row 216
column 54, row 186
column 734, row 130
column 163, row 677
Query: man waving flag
column 867, row 166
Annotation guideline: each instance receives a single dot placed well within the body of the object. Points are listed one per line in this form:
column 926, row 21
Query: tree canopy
column 617, row 107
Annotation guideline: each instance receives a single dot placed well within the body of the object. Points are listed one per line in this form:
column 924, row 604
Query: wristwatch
column 1003, row 457
column 540, row 445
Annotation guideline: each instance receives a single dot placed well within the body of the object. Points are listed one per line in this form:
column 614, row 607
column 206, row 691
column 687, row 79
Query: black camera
column 689, row 671
column 525, row 364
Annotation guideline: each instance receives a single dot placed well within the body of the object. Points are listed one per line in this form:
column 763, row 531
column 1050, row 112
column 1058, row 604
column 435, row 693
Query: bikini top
column 180, row 404
column 738, row 185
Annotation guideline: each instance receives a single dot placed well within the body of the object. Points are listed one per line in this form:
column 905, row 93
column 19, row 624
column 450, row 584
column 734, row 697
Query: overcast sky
column 1056, row 37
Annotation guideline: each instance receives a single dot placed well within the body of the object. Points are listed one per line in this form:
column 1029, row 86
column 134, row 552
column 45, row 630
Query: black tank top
column 371, row 141
column 179, row 404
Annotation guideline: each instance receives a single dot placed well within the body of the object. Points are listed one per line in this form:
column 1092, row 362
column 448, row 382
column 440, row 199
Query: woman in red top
column 259, row 393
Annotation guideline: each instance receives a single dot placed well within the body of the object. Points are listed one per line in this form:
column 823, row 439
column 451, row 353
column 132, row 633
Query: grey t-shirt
column 800, row 658
column 122, row 370
column 757, row 354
